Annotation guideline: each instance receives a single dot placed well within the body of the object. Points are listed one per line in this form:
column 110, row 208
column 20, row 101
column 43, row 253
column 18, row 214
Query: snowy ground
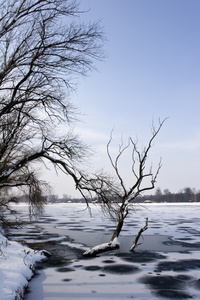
column 16, row 268
column 165, row 266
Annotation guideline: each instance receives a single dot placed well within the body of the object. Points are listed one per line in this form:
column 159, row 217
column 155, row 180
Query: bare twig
column 135, row 243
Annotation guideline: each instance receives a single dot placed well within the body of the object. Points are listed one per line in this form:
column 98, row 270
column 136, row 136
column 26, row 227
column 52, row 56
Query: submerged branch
column 139, row 234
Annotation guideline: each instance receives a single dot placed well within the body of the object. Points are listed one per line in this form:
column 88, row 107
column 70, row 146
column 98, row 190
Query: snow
column 111, row 245
column 16, row 268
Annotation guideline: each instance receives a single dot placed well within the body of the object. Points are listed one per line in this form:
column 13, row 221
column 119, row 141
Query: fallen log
column 110, row 246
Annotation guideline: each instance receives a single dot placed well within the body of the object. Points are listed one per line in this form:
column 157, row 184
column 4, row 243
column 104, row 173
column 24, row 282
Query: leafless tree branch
column 43, row 47
column 119, row 210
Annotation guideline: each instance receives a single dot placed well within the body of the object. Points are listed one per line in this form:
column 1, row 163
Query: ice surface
column 173, row 236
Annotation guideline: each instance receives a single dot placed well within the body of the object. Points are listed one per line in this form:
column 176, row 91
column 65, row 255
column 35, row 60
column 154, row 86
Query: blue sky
column 151, row 70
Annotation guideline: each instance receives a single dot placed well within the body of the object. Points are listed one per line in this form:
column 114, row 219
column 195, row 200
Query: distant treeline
column 185, row 195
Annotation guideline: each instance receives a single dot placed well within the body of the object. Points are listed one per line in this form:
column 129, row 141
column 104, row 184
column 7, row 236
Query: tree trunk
column 118, row 228
column 110, row 246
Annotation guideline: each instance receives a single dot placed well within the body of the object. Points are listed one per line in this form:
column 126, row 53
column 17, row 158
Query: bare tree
column 116, row 198
column 43, row 46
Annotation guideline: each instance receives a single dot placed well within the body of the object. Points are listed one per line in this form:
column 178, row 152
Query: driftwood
column 113, row 245
column 138, row 235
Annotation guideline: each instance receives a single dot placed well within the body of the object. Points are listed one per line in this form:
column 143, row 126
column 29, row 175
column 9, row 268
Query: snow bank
column 16, row 268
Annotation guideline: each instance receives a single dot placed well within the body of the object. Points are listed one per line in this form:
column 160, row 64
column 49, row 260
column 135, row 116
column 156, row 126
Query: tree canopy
column 43, row 47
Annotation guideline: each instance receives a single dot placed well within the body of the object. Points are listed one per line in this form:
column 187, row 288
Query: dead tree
column 144, row 180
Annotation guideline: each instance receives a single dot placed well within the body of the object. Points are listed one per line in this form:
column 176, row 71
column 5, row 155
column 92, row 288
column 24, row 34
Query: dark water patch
column 67, row 279
column 38, row 235
column 44, row 236
column 179, row 221
column 18, row 235
column 61, row 255
column 75, row 229
column 71, row 227
column 197, row 284
column 45, row 219
column 157, row 243
column 65, row 269
column 108, row 261
column 178, row 266
column 141, row 256
column 132, row 224
column 78, row 266
column 186, row 239
column 56, row 261
column 120, row 269
column 172, row 294
column 33, row 231
column 156, row 227
column 162, row 282
column 92, row 268
column 183, row 221
column 88, row 238
column 179, row 243
column 189, row 230
column 67, row 223
column 184, row 278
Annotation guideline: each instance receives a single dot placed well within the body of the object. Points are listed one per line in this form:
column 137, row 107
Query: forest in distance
column 185, row 195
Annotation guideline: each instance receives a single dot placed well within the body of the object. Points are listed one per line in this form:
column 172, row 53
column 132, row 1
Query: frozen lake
column 166, row 265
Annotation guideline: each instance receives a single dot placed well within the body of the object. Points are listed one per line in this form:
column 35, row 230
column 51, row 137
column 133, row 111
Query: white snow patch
column 16, row 268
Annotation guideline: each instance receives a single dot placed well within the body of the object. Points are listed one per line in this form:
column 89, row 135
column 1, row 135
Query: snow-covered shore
column 16, row 268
